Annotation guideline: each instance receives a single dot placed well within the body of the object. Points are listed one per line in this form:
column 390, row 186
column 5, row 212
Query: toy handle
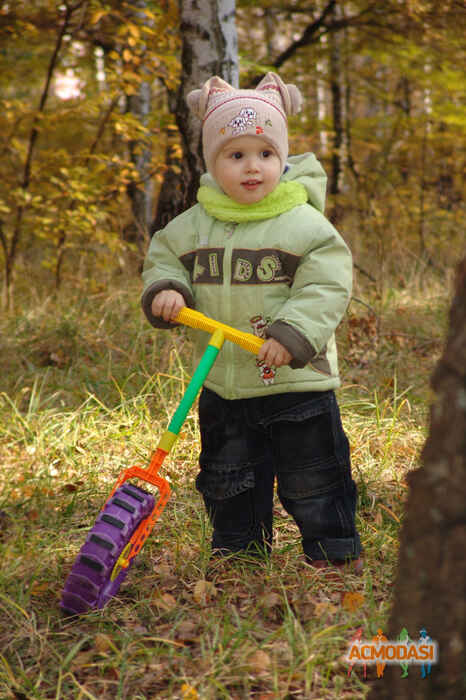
column 195, row 319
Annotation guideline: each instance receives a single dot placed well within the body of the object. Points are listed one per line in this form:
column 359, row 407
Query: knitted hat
column 228, row 113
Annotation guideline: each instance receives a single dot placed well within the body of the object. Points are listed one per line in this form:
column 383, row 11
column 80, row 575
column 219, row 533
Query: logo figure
column 357, row 637
column 424, row 639
column 380, row 637
column 404, row 637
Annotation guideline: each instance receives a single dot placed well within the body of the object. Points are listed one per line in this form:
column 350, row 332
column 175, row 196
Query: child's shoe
column 331, row 569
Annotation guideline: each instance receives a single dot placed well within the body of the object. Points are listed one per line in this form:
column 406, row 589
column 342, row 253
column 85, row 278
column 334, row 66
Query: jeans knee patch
column 221, row 482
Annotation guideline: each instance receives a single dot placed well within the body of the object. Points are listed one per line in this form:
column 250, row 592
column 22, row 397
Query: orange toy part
column 149, row 474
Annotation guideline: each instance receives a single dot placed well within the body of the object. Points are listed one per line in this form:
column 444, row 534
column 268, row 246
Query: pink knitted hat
column 227, row 113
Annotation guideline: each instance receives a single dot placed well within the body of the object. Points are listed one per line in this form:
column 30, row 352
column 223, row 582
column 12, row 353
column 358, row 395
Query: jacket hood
column 307, row 170
column 304, row 169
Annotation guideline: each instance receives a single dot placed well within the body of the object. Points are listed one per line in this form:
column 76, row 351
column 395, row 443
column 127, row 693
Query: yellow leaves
column 188, row 692
column 97, row 16
column 133, row 30
column 352, row 601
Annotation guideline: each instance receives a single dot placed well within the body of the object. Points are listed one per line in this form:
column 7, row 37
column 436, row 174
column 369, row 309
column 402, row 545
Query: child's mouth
column 251, row 184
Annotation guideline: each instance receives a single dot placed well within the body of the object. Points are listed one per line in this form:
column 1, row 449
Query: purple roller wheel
column 89, row 585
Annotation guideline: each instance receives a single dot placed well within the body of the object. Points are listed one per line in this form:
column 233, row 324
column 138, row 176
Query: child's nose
column 252, row 165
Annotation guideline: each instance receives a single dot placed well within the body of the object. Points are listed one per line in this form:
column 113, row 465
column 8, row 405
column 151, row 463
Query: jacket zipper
column 228, row 347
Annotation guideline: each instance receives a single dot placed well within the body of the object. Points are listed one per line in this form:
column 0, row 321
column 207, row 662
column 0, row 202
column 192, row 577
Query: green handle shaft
column 197, row 380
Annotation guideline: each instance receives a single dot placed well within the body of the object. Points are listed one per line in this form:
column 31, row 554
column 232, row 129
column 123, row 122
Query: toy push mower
column 130, row 513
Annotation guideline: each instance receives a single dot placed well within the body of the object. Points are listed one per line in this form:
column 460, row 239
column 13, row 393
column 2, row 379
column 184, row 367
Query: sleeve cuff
column 296, row 344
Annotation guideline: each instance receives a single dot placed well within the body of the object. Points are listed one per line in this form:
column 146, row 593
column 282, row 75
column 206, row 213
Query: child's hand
column 274, row 353
column 167, row 303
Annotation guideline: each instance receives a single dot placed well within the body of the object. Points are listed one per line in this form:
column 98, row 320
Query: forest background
column 97, row 154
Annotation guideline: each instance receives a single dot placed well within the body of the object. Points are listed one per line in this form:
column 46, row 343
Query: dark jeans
column 297, row 438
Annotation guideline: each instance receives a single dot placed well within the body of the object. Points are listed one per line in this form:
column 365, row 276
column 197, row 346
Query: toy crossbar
column 195, row 319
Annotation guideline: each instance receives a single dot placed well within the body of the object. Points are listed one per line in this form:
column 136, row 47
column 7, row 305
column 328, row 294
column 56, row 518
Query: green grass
column 87, row 389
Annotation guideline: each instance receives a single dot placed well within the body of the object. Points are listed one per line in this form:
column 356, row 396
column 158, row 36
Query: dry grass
column 88, row 387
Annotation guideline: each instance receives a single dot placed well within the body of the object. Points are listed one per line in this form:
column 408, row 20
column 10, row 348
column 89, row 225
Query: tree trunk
column 209, row 48
column 139, row 104
column 141, row 193
column 430, row 584
column 338, row 100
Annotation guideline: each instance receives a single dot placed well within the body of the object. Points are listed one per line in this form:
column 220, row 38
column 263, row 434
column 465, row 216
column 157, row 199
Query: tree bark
column 337, row 90
column 140, row 104
column 430, row 584
column 209, row 48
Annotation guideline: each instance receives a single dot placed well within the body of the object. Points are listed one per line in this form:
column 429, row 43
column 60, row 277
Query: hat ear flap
column 290, row 95
column 198, row 100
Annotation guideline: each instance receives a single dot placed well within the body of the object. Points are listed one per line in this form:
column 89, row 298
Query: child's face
column 247, row 169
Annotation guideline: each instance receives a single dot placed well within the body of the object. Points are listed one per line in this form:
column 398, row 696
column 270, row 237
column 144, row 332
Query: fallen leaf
column 352, row 601
column 259, row 662
column 82, row 658
column 164, row 601
column 112, row 674
column 271, row 600
column 324, row 608
column 204, row 592
column 39, row 588
column 186, row 631
column 102, row 643
column 188, row 692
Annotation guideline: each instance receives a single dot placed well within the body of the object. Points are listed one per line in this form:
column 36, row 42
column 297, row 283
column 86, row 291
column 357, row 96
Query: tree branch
column 307, row 37
column 320, row 27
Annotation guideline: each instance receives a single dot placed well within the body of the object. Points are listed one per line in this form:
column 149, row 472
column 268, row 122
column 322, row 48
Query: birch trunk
column 142, row 193
column 209, row 47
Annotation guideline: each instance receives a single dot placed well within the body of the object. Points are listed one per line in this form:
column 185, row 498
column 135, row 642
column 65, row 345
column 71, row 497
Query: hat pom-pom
column 193, row 99
column 296, row 99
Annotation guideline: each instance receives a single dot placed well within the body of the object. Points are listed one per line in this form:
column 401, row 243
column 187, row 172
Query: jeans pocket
column 316, row 479
column 219, row 482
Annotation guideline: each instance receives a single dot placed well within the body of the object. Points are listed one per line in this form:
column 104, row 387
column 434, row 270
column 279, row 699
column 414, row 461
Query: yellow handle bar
column 195, row 319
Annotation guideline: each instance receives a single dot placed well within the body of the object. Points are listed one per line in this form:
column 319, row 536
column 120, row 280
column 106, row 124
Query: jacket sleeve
column 164, row 270
column 319, row 295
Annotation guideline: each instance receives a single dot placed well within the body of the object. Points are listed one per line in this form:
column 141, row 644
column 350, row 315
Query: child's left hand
column 274, row 353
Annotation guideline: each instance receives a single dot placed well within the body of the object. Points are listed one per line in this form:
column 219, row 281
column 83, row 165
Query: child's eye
column 266, row 154
column 237, row 155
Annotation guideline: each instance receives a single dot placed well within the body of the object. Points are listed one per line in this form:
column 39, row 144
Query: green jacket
column 288, row 277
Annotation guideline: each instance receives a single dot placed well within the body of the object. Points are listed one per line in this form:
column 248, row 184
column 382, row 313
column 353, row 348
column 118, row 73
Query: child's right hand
column 167, row 303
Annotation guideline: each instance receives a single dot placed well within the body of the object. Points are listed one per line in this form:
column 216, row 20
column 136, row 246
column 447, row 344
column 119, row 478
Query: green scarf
column 284, row 197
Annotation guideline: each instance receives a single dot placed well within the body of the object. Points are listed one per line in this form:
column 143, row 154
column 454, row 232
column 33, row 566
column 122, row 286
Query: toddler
column 257, row 253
